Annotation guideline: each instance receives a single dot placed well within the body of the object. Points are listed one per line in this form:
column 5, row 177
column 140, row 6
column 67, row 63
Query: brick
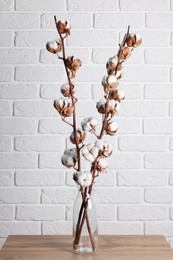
column 5, row 143
column 159, row 38
column 147, row 5
column 49, row 91
column 125, row 160
column 19, row 228
column 158, row 56
column 6, row 212
column 171, row 143
column 146, row 73
column 159, row 195
column 171, row 211
column 141, row 213
column 89, row 5
column 40, row 212
column 19, row 56
column 91, row 38
column 159, row 227
column 77, row 20
column 5, row 108
column 51, row 161
column 57, row 228
column 53, row 126
column 82, row 109
column 143, row 108
column 171, row 108
column 6, row 178
column 90, row 73
column 36, row 73
column 19, row 21
column 19, row 91
column 129, row 125
column 6, row 5
column 39, row 143
column 19, row 195
column 40, row 5
column 158, row 91
column 159, row 20
column 59, row 196
column 142, row 178
column 39, row 178
column 5, row 38
column 118, row 20
column 158, row 126
column 171, row 178
column 157, row 161
column 5, row 73
column 37, row 38
column 17, row 126
column 120, row 228
column 118, row 195
column 15, row 160
column 143, row 143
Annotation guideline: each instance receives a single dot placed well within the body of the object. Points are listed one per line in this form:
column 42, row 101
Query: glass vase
column 85, row 228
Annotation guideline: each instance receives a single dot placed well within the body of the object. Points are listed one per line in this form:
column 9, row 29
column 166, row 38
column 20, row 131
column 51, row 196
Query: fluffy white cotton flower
column 110, row 83
column 54, row 46
column 90, row 152
column 111, row 128
column 101, row 106
column 69, row 157
column 104, row 147
column 88, row 124
column 102, row 164
column 84, row 179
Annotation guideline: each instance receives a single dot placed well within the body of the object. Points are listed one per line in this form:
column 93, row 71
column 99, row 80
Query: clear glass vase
column 85, row 228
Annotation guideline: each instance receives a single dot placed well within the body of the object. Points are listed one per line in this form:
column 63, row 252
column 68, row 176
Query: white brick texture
column 37, row 192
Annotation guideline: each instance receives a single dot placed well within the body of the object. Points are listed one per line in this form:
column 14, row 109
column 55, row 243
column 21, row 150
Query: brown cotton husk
column 63, row 27
column 80, row 136
column 55, row 49
column 133, row 41
column 65, row 109
column 73, row 65
column 125, row 53
column 116, row 96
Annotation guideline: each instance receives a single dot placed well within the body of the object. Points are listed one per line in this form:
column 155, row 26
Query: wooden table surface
column 110, row 248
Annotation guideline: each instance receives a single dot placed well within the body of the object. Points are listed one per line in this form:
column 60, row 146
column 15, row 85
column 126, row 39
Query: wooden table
column 110, row 248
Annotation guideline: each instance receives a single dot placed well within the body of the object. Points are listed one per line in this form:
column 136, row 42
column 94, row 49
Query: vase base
column 83, row 250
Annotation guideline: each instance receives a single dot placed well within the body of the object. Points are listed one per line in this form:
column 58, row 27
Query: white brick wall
column 36, row 191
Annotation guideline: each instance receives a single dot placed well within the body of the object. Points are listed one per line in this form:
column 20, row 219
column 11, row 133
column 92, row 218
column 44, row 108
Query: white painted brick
column 52, row 91
column 6, row 212
column 159, row 228
column 171, row 178
column 158, row 161
column 2, row 242
column 39, row 143
column 171, row 108
column 5, row 108
column 34, row 38
column 153, row 38
column 82, row 53
column 146, row 73
column 118, row 195
column 141, row 213
column 89, row 5
column 15, row 160
column 17, row 126
column 77, row 20
column 143, row 143
column 19, row 228
column 40, row 212
column 19, row 91
column 37, row 73
column 158, row 126
column 19, row 21
column 34, row 108
column 142, row 178
column 40, row 5
column 57, row 228
column 159, row 20
column 171, row 211
column 5, row 73
column 125, row 161
column 13, row 56
column 171, row 143
column 19, row 195
column 90, row 73
column 5, row 143
column 6, row 5
column 82, row 108
column 159, row 195
column 147, row 5
column 118, row 20
column 158, row 91
column 51, row 161
column 6, row 178
column 59, row 196
column 93, row 38
column 120, row 228
column 53, row 126
column 5, row 38
column 158, row 56
column 143, row 108
column 40, row 178
column 128, row 125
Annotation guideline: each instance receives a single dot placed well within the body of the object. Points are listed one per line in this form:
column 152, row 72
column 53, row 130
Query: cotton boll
column 84, row 179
